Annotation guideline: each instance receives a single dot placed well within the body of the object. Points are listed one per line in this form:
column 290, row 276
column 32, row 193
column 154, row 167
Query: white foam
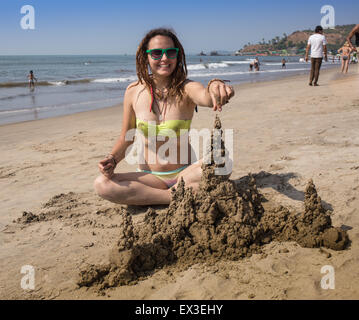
column 216, row 65
column 207, row 74
column 57, row 83
column 196, row 67
column 114, row 80
column 210, row 65
column 272, row 64
column 238, row 62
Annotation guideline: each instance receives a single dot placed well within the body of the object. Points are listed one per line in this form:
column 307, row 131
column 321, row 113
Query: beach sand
column 285, row 132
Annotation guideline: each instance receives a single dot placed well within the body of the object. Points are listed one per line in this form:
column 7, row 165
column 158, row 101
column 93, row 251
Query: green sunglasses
column 156, row 54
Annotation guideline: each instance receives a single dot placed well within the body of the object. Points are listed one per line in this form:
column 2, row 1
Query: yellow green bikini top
column 168, row 128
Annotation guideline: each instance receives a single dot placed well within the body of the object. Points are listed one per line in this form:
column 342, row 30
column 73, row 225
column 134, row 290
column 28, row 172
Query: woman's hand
column 107, row 166
column 220, row 93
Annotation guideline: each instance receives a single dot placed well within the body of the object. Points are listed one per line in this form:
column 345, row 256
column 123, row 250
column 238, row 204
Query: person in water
column 31, row 79
column 251, row 64
column 160, row 104
column 345, row 54
column 256, row 64
column 283, row 64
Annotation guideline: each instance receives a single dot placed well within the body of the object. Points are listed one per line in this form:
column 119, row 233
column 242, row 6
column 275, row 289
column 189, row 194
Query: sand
column 287, row 134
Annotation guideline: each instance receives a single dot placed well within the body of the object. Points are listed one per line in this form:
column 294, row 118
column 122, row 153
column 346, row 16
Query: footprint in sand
column 287, row 158
column 275, row 167
column 4, row 175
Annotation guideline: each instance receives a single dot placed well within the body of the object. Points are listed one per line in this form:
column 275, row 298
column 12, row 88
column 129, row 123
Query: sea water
column 70, row 84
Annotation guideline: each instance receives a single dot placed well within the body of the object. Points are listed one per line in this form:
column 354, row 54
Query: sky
column 117, row 26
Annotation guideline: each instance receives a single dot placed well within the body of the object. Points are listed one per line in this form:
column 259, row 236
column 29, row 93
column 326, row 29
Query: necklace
column 163, row 94
column 162, row 112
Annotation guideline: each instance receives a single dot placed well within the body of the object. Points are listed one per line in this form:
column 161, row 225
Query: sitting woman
column 159, row 103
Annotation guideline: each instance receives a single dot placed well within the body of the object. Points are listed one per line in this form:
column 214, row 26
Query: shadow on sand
column 280, row 183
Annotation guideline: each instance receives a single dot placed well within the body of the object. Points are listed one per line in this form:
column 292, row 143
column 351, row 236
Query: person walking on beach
column 345, row 53
column 31, row 79
column 318, row 45
column 160, row 105
column 354, row 32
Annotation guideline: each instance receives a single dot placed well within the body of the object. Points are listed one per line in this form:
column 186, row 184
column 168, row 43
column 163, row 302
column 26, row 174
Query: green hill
column 296, row 42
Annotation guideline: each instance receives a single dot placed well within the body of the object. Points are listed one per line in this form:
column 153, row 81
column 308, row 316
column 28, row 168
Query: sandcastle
column 222, row 220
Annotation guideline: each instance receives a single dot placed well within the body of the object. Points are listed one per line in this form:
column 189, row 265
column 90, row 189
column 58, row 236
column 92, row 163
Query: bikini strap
column 152, row 98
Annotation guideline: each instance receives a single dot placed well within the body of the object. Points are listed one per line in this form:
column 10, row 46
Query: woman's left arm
column 214, row 96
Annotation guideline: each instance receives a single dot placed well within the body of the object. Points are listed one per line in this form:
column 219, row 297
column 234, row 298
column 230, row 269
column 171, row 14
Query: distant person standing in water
column 31, row 78
column 345, row 52
column 354, row 32
column 283, row 64
column 256, row 64
column 318, row 45
column 251, row 64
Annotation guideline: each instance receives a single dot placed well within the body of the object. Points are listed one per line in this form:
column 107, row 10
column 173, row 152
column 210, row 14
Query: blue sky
column 116, row 26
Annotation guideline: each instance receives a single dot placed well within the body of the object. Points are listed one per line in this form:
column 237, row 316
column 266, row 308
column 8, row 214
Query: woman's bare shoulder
column 135, row 88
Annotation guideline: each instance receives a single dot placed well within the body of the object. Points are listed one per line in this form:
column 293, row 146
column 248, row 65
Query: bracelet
column 112, row 157
column 215, row 79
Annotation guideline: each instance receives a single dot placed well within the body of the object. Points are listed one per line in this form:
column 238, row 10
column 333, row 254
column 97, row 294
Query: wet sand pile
column 55, row 208
column 222, row 220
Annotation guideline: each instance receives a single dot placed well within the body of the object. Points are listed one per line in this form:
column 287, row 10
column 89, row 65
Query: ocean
column 70, row 84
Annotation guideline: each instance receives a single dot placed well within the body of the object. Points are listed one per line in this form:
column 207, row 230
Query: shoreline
column 237, row 86
column 285, row 132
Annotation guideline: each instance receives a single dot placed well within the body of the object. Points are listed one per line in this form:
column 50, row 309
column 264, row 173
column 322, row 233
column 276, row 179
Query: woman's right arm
column 118, row 152
column 350, row 35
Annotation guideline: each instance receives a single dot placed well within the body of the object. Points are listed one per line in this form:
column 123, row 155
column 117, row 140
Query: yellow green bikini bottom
column 168, row 177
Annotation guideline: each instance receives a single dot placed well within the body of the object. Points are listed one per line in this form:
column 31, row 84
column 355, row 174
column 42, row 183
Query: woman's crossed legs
column 139, row 188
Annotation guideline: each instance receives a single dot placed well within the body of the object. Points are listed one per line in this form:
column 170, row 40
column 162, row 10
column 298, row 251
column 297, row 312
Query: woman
column 158, row 102
column 345, row 50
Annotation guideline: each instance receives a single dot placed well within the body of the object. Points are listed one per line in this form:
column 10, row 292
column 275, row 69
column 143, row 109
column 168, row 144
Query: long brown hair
column 179, row 75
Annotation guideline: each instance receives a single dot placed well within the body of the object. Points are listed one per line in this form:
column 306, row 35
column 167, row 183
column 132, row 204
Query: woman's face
column 164, row 66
